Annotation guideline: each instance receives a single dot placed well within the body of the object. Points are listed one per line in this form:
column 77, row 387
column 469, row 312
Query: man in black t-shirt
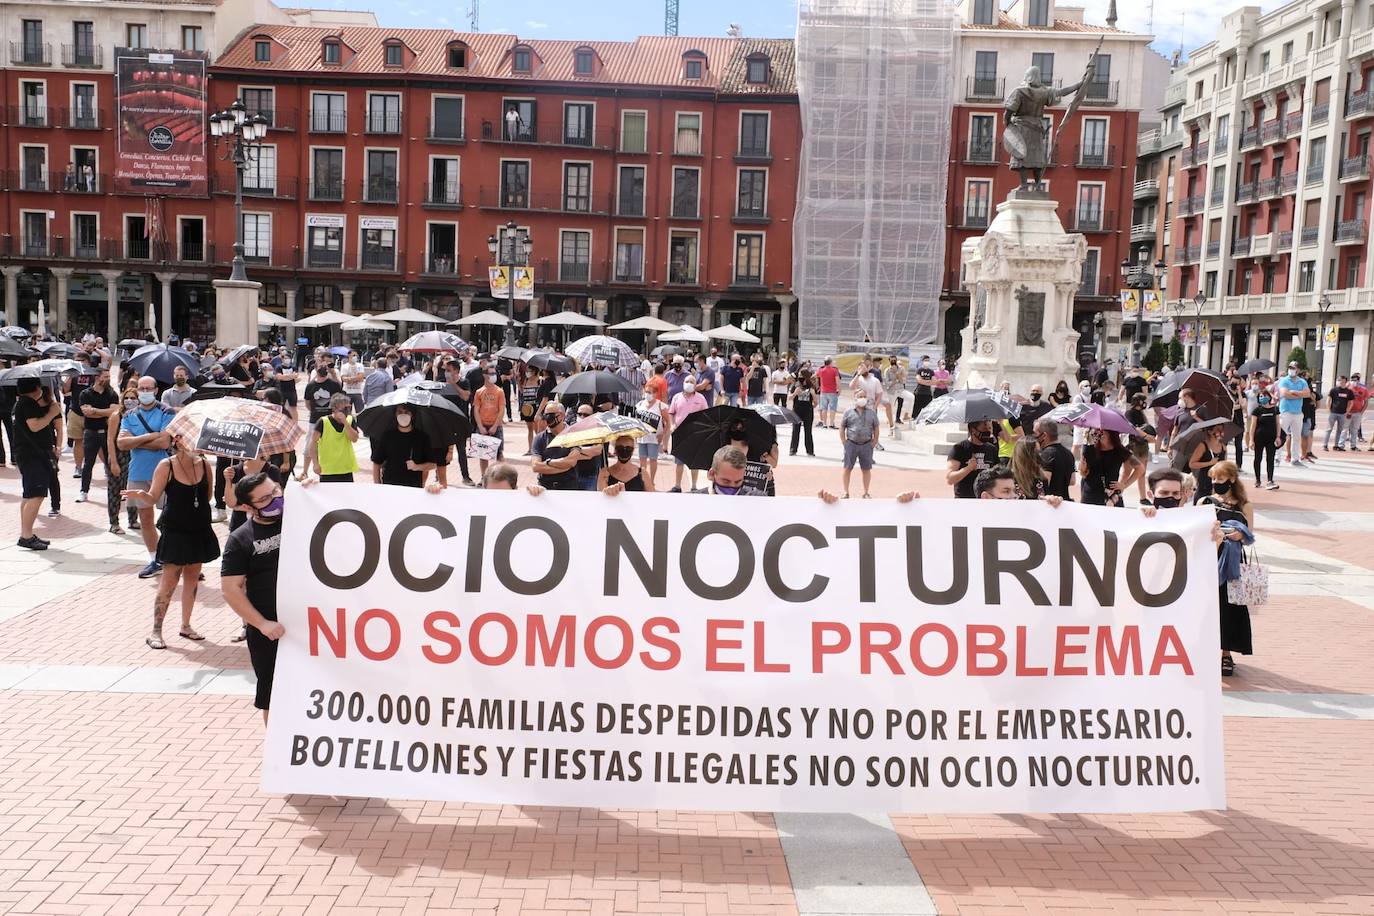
column 97, row 404
column 1338, row 401
column 248, row 576
column 319, row 392
column 1033, row 411
column 555, row 465
column 36, row 413
column 976, row 453
column 402, row 455
column 1054, row 458
column 1134, row 383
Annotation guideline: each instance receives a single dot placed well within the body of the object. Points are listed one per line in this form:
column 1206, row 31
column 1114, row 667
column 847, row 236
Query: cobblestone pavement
column 128, row 777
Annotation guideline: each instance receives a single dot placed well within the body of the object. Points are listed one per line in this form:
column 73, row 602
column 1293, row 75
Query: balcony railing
column 1240, row 247
column 1093, row 221
column 82, row 118
column 1350, row 231
column 1142, row 232
column 682, row 276
column 979, row 152
column 383, row 122
column 1102, row 93
column 1292, row 123
column 31, row 115
column 446, row 133
column 1355, row 167
column 975, row 215
column 1315, row 172
column 1247, row 193
column 752, row 215
column 1320, row 112
column 1218, row 197
column 1288, row 182
column 81, row 55
column 30, row 54
column 985, row 87
column 277, row 118
column 443, row 194
column 1310, row 236
column 442, row 265
column 1148, row 142
column 574, row 271
column 1267, row 188
column 1283, row 241
column 110, row 250
column 1146, row 188
column 1087, row 286
column 1359, row 103
column 1249, row 138
column 59, row 182
column 492, row 198
column 1196, row 155
column 555, row 135
column 379, row 191
column 256, row 185
column 328, row 122
column 384, row 260
column 1187, row 254
column 752, row 152
column 1214, row 249
column 1095, row 157
column 1189, row 206
column 326, row 189
column 1272, row 132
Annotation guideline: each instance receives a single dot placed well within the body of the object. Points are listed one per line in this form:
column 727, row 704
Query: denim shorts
column 648, row 448
column 830, row 401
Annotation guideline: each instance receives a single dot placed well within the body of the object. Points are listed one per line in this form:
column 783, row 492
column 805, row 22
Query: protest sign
column 229, row 438
column 655, row 651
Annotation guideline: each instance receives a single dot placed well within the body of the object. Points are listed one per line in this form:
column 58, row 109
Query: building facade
column 1094, row 157
column 1272, row 190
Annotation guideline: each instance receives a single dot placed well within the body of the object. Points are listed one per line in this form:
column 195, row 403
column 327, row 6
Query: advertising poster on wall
column 160, row 99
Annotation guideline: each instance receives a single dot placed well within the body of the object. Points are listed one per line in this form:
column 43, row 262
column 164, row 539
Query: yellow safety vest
column 336, row 452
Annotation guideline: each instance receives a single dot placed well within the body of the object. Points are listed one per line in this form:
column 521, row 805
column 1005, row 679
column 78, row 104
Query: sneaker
column 219, row 516
column 1297, row 464
column 881, row 447
column 76, row 475
column 1272, row 486
column 54, row 512
column 33, row 542
column 152, row 569
column 81, row 497
column 134, row 524
column 1339, row 448
column 469, row 482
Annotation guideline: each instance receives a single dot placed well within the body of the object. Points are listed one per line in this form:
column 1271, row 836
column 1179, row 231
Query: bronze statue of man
column 1026, row 136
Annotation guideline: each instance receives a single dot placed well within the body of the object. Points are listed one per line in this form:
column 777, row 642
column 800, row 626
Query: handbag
column 1251, row 587
column 482, row 447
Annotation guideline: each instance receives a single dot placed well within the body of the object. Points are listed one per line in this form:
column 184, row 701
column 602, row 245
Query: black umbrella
column 970, row 405
column 9, row 378
column 1185, row 442
column 211, row 390
column 56, row 349
column 665, row 350
column 703, row 433
column 1250, row 367
column 1210, row 391
column 517, row 353
column 442, row 388
column 553, row 362
column 158, row 360
column 775, row 414
column 131, row 343
column 435, row 415
column 596, row 381
column 12, row 349
column 14, row 332
column 238, row 353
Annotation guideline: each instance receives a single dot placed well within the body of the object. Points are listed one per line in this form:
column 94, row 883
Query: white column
column 12, row 294
column 654, row 306
column 112, row 305
column 785, row 304
column 531, row 330
column 59, row 303
column 165, row 281
column 599, row 307
column 708, row 307
column 347, row 290
column 291, row 290
column 466, row 300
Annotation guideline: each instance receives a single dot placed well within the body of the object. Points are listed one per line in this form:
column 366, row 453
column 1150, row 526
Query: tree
column 1155, row 356
column 1297, row 355
column 1175, row 353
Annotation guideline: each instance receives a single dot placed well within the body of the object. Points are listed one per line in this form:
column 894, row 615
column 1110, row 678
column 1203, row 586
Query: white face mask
column 861, row 402
column 1292, row 373
column 403, row 420
column 689, row 388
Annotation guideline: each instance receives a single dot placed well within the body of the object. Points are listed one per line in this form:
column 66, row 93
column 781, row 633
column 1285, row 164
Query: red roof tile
column 1005, row 22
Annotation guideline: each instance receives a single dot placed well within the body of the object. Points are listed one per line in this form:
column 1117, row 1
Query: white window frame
column 71, row 100
column 199, row 30
column 638, row 111
column 739, row 129
column 271, row 231
column 204, row 238
column 343, row 241
column 429, row 173
column 968, row 184
column 1106, row 132
column 591, row 244
column 255, row 165
column 47, row 237
column 311, row 113
column 672, row 189
column 643, row 253
column 124, row 232
column 701, row 132
column 668, row 256
column 462, row 97
column 1078, row 203
column 400, row 190
column 563, row 124
column 395, row 247
column 259, row 88
column 143, row 44
column 91, row 147
column 1097, row 290
column 429, row 252
column 46, row 106
column 969, row 138
column 767, row 187
column 734, row 254
column 400, row 111
column 643, row 210
column 343, row 176
column 591, row 183
column 47, row 166
column 71, row 229
column 501, row 175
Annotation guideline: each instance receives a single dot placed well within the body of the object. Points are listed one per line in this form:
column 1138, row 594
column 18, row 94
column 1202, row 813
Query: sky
column 1189, row 23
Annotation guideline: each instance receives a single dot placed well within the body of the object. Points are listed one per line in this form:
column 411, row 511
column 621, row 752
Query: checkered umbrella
column 235, row 428
column 600, row 350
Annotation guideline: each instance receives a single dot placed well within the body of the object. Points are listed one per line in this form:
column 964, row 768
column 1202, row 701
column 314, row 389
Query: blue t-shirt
column 143, row 461
column 1291, row 405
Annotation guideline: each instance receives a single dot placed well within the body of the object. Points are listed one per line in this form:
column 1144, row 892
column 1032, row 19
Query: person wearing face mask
column 1060, row 395
column 1207, row 453
column 1000, row 483
column 352, row 376
column 175, row 398
column 488, row 413
column 402, row 455
column 1357, row 409
column 726, row 475
column 925, row 392
column 330, row 451
column 653, row 412
column 1263, row 434
column 1055, row 459
column 1033, row 408
column 119, row 463
column 684, row 404
column 1236, row 516
column 555, row 465
column 141, row 434
column 622, row 474
column 1293, row 392
column 37, row 418
column 319, row 392
column 188, row 537
column 940, row 385
column 976, row 453
column 248, row 576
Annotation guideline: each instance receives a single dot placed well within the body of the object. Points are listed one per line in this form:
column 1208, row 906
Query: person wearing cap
column 1292, row 391
column 675, row 377
column 36, row 416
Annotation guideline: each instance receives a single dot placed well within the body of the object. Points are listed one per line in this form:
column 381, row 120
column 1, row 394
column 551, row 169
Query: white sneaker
column 220, row 515
column 81, row 497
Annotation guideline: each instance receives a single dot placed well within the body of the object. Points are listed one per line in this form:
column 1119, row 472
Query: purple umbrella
column 1093, row 416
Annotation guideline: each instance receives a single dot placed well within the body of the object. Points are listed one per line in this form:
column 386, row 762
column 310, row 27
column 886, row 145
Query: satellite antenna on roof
column 670, row 17
column 734, row 31
column 472, row 16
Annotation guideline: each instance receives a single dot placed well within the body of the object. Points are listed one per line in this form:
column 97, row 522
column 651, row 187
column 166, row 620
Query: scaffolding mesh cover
column 876, row 79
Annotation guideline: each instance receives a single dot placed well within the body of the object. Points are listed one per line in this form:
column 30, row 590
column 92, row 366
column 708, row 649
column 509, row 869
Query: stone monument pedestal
column 1022, row 275
column 236, row 312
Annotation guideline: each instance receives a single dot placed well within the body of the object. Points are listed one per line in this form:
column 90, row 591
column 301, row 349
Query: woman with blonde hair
column 1233, row 508
column 1026, row 468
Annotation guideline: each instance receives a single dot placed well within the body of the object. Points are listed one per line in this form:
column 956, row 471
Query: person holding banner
column 187, row 535
column 622, row 475
column 1236, row 517
column 556, row 466
column 726, row 474
column 488, row 411
column 402, row 455
column 248, row 577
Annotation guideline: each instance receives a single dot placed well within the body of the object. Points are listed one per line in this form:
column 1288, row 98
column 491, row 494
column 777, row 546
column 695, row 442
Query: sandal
column 1228, row 666
column 115, row 529
column 241, row 635
column 191, row 634
column 155, row 642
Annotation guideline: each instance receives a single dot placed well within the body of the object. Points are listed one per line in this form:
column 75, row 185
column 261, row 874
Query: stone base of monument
column 236, row 312
column 1022, row 274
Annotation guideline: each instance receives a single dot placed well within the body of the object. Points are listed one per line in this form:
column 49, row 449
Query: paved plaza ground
column 128, row 777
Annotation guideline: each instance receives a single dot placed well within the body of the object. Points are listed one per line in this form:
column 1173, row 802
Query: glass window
column 977, row 205
column 577, row 186
column 631, row 191
column 262, row 51
column 753, row 133
column 379, row 249
column 682, row 258
column 1044, row 60
column 519, row 116
column 1094, row 141
column 383, row 113
column 983, row 12
column 691, row 69
column 1099, row 87
column 135, row 35
column 192, row 38
column 381, row 175
column 328, row 112
column 985, row 73
column 324, row 246
column 577, row 124
column 260, row 172
column 1090, row 206
column 448, row 118
column 35, row 173
column 35, row 103
column 756, row 70
column 333, row 52
column 522, row 60
column 259, row 101
column 458, row 57
column 633, row 131
column 85, row 235
column 257, row 236
column 982, row 128
column 35, row 234
column 1039, row 13
column 629, row 255
column 749, row 258
column 394, row 57
column 83, row 102
column 515, row 184
column 575, row 256
column 443, row 181
column 688, row 141
column 83, row 43
column 327, row 171
column 753, row 193
column 1088, row 278
column 582, row 63
column 33, row 49
column 685, row 193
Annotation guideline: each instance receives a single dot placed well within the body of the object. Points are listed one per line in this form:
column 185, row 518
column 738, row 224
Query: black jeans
column 780, row 400
column 96, row 445
column 55, row 488
column 220, row 465
column 461, row 447
column 806, row 410
column 1265, row 450
column 1239, row 444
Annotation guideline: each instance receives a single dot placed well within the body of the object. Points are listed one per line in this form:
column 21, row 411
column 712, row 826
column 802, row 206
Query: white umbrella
column 414, row 315
column 366, row 323
column 268, row 319
column 730, row 332
column 569, row 319
column 486, row 316
column 600, row 350
column 644, row 323
column 685, row 333
column 323, row 319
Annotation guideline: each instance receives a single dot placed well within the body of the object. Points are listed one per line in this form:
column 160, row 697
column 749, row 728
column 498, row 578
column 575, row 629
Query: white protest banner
column 664, row 651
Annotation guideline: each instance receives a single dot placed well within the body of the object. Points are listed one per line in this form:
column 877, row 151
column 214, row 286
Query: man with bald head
column 141, row 435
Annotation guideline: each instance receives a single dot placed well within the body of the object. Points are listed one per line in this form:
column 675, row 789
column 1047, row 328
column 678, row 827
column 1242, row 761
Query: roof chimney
column 1111, row 14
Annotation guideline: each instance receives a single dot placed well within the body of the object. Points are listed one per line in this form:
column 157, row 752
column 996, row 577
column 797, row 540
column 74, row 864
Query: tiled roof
column 1005, row 22
column 652, row 60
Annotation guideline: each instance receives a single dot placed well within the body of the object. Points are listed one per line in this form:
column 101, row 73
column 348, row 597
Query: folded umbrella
column 435, row 415
column 775, row 414
column 550, row 361
column 703, row 433
column 595, row 381
column 159, row 360
column 598, row 429
column 971, row 405
column 1210, row 391
column 1187, row 441
column 1251, row 366
column 1092, row 416
column 600, row 350
column 235, row 428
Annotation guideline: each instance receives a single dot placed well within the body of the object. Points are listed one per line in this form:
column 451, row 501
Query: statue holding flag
column 1026, row 137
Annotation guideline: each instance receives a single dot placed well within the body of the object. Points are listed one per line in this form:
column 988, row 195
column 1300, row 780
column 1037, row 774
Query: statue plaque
column 1030, row 318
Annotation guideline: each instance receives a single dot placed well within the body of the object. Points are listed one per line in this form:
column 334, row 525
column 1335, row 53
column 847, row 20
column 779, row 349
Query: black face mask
column 1166, row 502
column 1221, row 487
column 624, row 454
column 1035, row 395
column 553, row 419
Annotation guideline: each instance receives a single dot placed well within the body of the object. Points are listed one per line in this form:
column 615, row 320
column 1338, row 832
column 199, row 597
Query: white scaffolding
column 876, row 79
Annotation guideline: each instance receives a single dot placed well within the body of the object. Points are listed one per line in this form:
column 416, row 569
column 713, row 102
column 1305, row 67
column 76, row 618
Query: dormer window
column 1039, row 13
column 457, row 57
column 262, row 51
column 693, row 65
column 394, row 54
column 522, row 60
column 756, row 69
column 583, row 61
column 984, row 12
column 333, row 52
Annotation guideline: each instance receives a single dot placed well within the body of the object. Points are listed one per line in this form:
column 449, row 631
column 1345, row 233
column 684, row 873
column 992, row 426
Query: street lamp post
column 1141, row 276
column 244, row 134
column 510, row 248
column 1198, row 302
column 1323, row 306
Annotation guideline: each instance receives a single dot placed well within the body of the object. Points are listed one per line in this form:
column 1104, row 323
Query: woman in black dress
column 186, row 536
column 1100, row 468
column 1232, row 504
column 1205, row 455
column 804, row 392
column 1060, row 395
column 623, row 473
column 1264, row 434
